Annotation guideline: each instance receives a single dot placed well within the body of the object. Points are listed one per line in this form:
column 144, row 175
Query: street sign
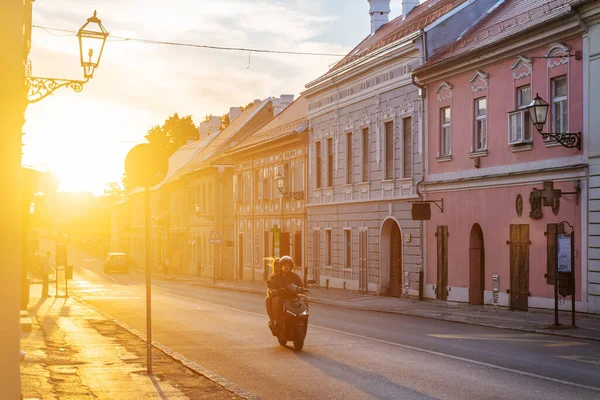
column 215, row 237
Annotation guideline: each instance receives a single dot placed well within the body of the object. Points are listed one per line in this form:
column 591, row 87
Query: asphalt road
column 348, row 354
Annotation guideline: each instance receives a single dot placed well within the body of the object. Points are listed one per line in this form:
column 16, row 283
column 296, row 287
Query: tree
column 174, row 133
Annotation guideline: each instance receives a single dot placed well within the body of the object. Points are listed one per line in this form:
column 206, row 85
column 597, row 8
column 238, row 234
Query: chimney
column 277, row 106
column 407, row 6
column 257, row 101
column 234, row 112
column 286, row 100
column 214, row 125
column 204, row 129
column 379, row 12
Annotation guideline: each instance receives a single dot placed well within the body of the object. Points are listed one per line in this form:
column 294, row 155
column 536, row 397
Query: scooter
column 293, row 323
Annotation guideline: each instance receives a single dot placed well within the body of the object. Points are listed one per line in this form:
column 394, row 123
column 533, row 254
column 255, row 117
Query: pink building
column 485, row 157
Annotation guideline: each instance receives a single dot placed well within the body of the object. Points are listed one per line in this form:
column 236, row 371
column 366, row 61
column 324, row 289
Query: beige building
column 269, row 221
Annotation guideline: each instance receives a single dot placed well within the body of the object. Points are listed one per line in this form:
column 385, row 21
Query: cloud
column 139, row 85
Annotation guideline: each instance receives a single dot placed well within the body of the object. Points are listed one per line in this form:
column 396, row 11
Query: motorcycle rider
column 277, row 281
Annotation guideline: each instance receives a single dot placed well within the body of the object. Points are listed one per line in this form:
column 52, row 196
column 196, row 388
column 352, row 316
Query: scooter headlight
column 305, row 312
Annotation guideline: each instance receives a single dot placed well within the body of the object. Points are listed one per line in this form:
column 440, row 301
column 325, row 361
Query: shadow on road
column 372, row 383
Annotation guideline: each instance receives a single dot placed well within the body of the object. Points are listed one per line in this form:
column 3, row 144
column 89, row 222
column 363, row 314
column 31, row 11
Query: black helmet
column 286, row 259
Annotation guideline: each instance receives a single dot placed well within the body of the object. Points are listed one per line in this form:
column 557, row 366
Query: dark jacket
column 278, row 280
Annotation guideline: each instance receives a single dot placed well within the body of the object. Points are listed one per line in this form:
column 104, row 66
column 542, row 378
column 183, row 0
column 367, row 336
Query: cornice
column 351, row 72
column 563, row 28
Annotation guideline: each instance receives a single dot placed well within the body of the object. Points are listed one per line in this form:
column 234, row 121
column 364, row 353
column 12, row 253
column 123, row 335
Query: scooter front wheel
column 281, row 341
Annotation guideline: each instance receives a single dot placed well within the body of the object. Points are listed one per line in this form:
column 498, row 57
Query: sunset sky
column 84, row 137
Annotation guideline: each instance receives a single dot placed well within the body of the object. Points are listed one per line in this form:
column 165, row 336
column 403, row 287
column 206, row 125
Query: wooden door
column 395, row 262
column 476, row 266
column 284, row 244
column 442, row 262
column 267, row 254
column 298, row 252
column 363, row 274
column 241, row 256
column 316, row 245
column 519, row 267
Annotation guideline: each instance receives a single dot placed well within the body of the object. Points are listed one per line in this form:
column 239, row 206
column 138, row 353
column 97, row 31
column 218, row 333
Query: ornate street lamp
column 538, row 111
column 205, row 216
column 92, row 37
column 281, row 185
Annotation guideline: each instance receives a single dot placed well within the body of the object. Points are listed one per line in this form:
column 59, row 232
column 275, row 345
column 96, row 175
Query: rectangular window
column 480, row 124
column 256, row 185
column 328, row 247
column 237, row 188
column 349, row 158
column 445, row 132
column 519, row 122
column 247, row 187
column 365, row 155
column 299, row 176
column 265, row 184
column 389, row 150
column 203, row 203
column 318, row 165
column 407, row 144
column 559, row 105
column 209, row 195
column 348, row 248
column 329, row 162
column 287, row 177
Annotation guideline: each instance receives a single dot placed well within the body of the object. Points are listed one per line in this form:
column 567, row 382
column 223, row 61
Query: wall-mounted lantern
column 281, row 186
column 538, row 111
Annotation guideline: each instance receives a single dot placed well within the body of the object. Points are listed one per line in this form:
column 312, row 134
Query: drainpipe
column 422, row 226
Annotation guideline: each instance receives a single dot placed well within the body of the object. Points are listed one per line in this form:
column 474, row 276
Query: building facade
column 270, row 222
column 496, row 175
column 590, row 16
column 365, row 151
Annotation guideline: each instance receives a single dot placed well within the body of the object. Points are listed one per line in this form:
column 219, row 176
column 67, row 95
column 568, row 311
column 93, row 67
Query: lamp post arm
column 39, row 87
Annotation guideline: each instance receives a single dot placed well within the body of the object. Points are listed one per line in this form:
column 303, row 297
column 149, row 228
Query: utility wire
column 202, row 46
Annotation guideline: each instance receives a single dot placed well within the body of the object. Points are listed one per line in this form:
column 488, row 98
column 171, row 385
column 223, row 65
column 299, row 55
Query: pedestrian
column 166, row 265
column 47, row 267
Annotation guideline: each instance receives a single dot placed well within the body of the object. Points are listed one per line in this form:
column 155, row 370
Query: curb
column 197, row 368
column 412, row 314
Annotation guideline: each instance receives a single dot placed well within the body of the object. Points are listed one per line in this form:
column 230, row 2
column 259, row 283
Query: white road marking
column 404, row 346
column 99, row 272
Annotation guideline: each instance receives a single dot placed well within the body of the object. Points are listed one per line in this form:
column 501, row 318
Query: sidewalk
column 535, row 320
column 74, row 352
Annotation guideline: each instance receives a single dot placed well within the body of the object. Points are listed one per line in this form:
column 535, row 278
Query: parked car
column 117, row 262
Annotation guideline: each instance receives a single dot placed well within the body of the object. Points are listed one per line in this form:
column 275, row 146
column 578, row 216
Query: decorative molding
column 365, row 120
column 390, row 112
column 444, row 91
column 520, row 62
column 349, row 125
column 476, row 78
column 377, row 128
column 557, row 49
column 407, row 106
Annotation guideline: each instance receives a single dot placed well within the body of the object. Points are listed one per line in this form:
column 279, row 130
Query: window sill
column 517, row 148
column 347, row 269
column 444, row 158
column 479, row 153
column 387, row 180
column 327, row 267
column 551, row 143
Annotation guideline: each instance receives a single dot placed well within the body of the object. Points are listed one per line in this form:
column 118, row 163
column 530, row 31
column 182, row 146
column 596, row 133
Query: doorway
column 519, row 267
column 363, row 274
column 395, row 288
column 476, row 266
column 442, row 263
